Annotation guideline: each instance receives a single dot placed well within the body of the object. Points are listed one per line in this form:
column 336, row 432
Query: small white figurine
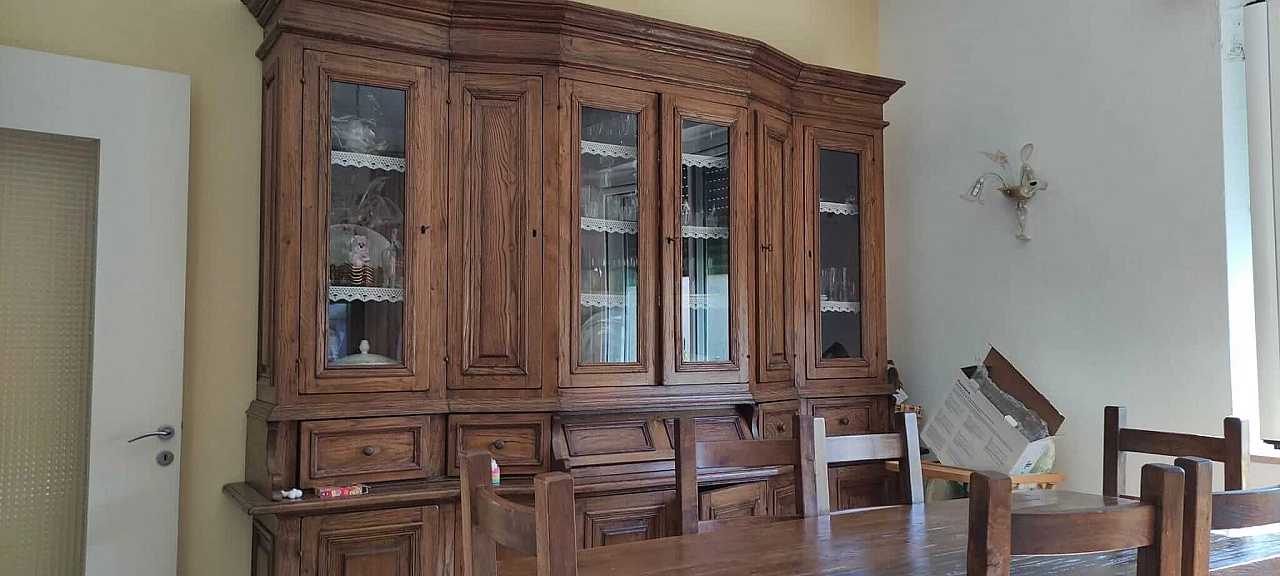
column 291, row 494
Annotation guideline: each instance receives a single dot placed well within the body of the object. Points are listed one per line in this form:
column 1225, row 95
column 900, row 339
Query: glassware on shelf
column 704, row 205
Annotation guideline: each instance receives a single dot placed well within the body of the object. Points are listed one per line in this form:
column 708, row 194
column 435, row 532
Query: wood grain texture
column 1162, row 488
column 929, row 539
column 335, row 452
column 521, row 443
column 774, row 175
column 402, row 542
column 495, row 280
column 623, row 518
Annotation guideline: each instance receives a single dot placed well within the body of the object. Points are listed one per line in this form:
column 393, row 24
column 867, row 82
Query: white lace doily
column 628, row 152
column 613, row 226
column 356, row 160
column 837, row 306
column 705, row 232
column 842, row 208
column 705, row 301
column 365, row 294
column 605, row 300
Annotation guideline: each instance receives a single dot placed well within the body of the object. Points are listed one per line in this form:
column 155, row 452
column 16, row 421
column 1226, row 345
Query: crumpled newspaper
column 1030, row 424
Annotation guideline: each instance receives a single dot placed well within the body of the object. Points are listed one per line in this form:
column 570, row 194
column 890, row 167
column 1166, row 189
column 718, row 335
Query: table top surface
column 902, row 540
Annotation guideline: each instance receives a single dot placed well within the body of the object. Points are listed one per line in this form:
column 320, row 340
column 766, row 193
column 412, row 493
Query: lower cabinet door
column 734, row 502
column 622, row 518
column 400, row 542
column 857, row 486
column 782, row 495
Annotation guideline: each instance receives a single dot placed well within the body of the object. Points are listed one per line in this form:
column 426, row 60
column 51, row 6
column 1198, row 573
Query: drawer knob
column 369, row 450
column 499, row 445
column 782, row 427
column 844, row 421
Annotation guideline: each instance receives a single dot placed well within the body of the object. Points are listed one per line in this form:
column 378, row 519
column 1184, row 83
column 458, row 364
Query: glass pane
column 48, row 223
column 366, row 226
column 609, row 237
column 704, row 221
column 839, row 249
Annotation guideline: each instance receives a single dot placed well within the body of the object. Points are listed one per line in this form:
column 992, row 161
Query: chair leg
column 990, row 517
column 1162, row 487
column 1197, row 507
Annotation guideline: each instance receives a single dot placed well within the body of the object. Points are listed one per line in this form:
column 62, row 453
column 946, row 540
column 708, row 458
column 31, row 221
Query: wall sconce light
column 1022, row 192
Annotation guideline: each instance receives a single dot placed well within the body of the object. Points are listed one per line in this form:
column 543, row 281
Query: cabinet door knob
column 369, row 450
column 782, row 427
column 766, row 247
column 844, row 421
column 499, row 445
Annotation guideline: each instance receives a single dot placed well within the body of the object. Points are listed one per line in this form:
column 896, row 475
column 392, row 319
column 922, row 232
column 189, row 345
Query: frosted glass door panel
column 48, row 212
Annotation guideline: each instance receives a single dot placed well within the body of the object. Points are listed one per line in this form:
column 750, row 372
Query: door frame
column 141, row 119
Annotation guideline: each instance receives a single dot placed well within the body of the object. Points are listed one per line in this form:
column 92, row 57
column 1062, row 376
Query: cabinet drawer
column 776, row 420
column 521, row 443
column 366, row 450
column 853, row 416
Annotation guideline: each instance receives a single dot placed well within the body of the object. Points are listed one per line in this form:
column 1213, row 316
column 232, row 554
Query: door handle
column 164, row 433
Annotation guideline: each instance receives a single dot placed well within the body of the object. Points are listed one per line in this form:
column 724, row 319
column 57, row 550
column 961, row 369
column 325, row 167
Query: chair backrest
column 903, row 446
column 1206, row 510
column 547, row 530
column 1154, row 527
column 1232, row 449
column 692, row 455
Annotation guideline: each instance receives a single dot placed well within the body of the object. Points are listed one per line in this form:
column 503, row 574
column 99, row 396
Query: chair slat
column 547, row 530
column 746, row 453
column 1246, row 508
column 510, row 524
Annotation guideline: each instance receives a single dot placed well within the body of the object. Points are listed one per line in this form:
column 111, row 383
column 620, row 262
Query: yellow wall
column 213, row 41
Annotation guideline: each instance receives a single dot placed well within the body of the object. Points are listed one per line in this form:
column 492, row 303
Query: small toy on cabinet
column 358, row 251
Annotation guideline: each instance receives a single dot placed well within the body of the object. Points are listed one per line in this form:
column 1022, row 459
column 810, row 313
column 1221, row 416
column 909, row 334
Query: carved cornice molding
column 441, row 28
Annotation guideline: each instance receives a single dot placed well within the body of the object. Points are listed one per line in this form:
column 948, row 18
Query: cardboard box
column 1000, row 422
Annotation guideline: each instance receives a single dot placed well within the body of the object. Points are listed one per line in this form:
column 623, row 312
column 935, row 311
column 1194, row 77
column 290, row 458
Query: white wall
column 1121, row 298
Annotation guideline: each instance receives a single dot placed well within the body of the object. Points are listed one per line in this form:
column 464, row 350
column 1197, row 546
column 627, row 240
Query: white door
column 93, row 219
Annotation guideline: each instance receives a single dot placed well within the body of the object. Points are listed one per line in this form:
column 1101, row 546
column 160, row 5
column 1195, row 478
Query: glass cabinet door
column 366, row 226
column 372, row 164
column 616, row 211
column 708, row 153
column 840, row 344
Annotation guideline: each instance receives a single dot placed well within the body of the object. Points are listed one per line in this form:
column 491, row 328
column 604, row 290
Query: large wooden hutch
column 547, row 229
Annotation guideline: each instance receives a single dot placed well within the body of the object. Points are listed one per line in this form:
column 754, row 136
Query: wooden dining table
column 919, row 540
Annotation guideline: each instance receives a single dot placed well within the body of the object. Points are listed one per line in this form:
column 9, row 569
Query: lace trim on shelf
column 629, row 152
column 705, row 301
column 357, row 160
column 705, row 232
column 838, row 306
column 365, row 294
column 611, row 226
column 605, row 300
column 842, row 208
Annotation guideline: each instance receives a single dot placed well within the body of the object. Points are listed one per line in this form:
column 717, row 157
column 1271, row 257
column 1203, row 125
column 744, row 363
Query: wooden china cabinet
column 548, row 229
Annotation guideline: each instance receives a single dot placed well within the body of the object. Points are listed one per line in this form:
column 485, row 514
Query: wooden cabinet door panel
column 734, row 502
column 495, row 253
column 399, row 542
column 782, row 495
column 843, row 205
column 608, row 520
column 775, row 186
column 857, row 486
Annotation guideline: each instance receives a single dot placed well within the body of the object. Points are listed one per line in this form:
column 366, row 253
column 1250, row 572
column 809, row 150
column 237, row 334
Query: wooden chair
column 692, row 455
column 547, row 530
column 1232, row 449
column 1206, row 510
column 1154, row 528
column 904, row 446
